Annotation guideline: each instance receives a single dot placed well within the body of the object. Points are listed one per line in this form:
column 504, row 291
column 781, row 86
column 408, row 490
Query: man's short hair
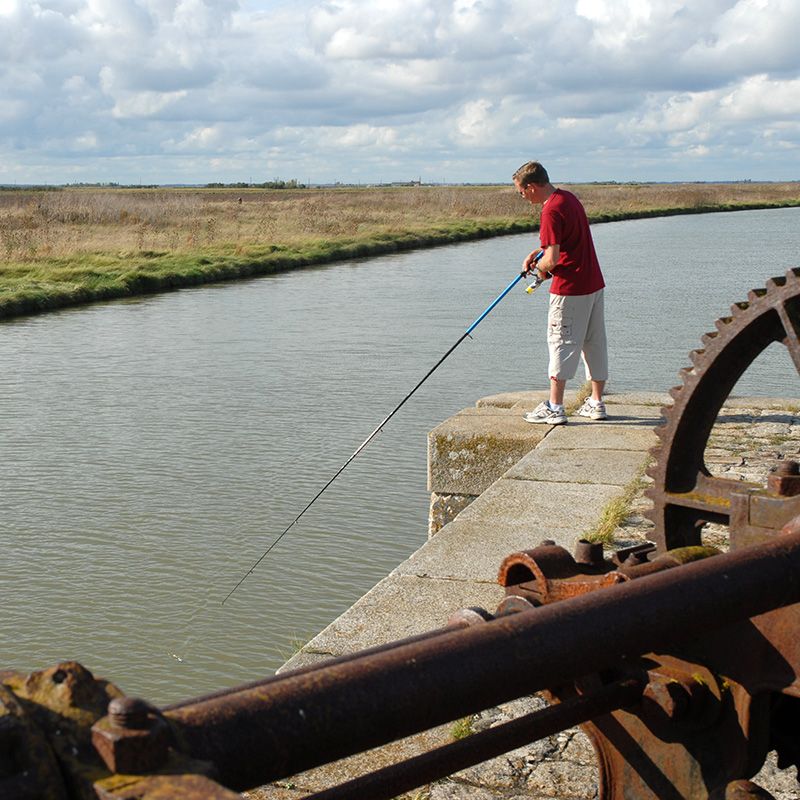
column 531, row 172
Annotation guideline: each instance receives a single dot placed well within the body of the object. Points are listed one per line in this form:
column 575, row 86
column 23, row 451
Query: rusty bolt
column 634, row 559
column 129, row 712
column 466, row 617
column 513, row 604
column 784, row 479
column 589, row 553
column 132, row 738
column 787, row 467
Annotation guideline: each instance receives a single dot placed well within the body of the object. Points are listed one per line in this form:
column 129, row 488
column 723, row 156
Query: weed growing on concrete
column 616, row 511
column 294, row 646
column 421, row 794
column 583, row 392
column 462, row 728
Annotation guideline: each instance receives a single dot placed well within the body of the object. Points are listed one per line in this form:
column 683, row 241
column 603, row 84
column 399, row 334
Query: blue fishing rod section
column 386, row 419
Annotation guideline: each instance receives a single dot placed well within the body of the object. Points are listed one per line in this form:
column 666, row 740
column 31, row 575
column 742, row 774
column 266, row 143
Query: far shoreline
column 149, row 273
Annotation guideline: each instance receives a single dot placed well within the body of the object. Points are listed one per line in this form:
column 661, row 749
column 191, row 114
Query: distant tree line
column 273, row 184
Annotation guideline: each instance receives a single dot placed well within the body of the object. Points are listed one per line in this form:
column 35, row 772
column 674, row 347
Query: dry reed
column 70, row 222
column 72, row 245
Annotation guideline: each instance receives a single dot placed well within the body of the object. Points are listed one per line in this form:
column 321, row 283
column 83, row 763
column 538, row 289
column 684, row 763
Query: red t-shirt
column 563, row 222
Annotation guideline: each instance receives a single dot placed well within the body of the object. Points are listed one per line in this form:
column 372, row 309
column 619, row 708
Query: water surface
column 151, row 449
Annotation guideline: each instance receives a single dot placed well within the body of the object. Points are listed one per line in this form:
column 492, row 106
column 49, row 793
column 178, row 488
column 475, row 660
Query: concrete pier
column 500, row 485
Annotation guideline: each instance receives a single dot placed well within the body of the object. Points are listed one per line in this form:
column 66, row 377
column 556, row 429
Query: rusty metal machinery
column 685, row 494
column 681, row 663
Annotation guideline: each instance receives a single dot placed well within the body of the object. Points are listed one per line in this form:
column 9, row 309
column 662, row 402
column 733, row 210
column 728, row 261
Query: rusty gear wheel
column 685, row 494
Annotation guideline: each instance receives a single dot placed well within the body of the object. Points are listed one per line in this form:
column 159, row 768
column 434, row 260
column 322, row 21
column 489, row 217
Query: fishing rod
column 377, row 430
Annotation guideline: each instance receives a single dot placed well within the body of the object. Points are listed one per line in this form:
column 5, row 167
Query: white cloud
column 363, row 136
column 346, row 29
column 203, row 138
column 87, row 141
column 392, row 88
column 476, row 123
column 759, row 98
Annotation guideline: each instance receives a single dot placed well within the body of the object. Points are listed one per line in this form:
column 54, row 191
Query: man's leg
column 563, row 343
column 595, row 348
column 557, row 388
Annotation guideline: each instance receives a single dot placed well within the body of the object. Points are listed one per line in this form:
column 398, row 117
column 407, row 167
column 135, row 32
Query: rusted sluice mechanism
column 679, row 661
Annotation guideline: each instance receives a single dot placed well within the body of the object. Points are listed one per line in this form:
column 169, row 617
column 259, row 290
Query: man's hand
column 529, row 265
column 541, row 261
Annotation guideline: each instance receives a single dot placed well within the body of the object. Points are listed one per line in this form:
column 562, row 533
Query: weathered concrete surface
column 555, row 491
column 470, row 451
column 584, row 467
column 631, row 433
column 458, row 567
column 521, row 400
column 398, row 607
column 445, row 508
column 511, row 515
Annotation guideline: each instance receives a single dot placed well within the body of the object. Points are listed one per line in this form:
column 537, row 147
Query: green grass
column 462, row 728
column 64, row 282
column 584, row 391
column 616, row 511
column 75, row 246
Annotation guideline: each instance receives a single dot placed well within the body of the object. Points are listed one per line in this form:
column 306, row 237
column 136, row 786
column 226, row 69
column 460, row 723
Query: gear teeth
column 738, row 308
column 775, row 283
column 651, row 513
column 678, row 447
column 696, row 356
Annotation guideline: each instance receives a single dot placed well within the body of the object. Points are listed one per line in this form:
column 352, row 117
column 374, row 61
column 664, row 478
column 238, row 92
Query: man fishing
column 575, row 320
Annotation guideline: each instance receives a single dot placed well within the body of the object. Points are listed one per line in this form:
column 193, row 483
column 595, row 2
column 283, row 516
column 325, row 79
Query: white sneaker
column 543, row 413
column 589, row 409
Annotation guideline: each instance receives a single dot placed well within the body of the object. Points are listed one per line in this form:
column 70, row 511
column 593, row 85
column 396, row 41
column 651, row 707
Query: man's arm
column 549, row 261
column 550, row 255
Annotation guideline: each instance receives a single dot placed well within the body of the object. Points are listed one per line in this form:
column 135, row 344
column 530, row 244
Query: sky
column 364, row 91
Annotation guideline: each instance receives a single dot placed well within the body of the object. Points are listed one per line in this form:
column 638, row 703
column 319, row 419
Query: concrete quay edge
column 556, row 490
column 552, row 492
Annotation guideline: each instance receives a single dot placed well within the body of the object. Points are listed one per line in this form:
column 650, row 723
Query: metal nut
column 784, row 480
column 131, row 740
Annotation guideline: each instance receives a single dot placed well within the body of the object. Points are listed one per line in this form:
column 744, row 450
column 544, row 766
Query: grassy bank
column 69, row 246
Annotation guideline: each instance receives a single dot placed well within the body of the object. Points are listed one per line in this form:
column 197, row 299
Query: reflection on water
column 152, row 448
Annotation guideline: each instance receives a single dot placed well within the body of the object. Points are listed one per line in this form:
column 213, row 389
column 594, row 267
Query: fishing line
column 384, row 421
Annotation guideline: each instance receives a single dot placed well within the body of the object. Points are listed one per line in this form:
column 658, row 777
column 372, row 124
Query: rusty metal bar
column 304, row 720
column 389, row 782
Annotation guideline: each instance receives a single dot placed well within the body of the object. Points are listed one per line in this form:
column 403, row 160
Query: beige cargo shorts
column 576, row 329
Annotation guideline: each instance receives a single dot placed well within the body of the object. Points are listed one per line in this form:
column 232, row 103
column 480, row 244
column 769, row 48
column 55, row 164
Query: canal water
column 151, row 449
